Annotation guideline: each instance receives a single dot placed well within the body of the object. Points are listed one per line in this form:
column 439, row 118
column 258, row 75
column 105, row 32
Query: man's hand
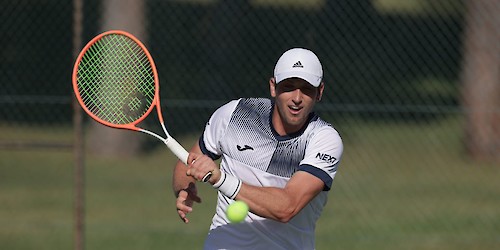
column 200, row 165
column 185, row 201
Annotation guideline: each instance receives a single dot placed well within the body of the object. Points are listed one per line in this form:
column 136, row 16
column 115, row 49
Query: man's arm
column 280, row 204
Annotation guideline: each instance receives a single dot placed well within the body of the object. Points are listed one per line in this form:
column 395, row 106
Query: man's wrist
column 228, row 185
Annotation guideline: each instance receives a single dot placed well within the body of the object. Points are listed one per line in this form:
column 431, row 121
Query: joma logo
column 326, row 157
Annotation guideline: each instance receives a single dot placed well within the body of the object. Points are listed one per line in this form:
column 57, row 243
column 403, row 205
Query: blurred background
column 412, row 86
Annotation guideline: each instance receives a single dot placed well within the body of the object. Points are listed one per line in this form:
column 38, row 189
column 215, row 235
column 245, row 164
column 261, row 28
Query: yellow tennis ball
column 237, row 211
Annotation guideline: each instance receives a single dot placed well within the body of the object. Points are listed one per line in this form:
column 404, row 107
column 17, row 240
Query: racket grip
column 177, row 149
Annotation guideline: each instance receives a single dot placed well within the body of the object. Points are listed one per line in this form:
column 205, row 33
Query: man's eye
column 307, row 90
column 287, row 88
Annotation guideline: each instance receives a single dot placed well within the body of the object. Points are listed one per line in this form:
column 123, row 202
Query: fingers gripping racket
column 116, row 83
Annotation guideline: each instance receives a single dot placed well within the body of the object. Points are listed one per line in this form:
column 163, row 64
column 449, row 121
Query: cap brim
column 311, row 79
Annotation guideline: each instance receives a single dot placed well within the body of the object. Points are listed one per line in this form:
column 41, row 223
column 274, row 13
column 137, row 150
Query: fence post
column 78, row 146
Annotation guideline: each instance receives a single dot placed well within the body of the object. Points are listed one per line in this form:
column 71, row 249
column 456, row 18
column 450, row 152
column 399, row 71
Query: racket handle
column 177, row 149
column 182, row 154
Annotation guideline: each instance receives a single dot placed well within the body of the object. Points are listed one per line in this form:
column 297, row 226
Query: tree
column 126, row 15
column 481, row 79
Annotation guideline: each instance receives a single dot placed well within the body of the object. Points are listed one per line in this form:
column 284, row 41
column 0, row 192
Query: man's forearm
column 282, row 204
column 180, row 181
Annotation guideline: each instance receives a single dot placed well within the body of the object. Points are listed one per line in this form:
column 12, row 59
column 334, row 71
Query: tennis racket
column 116, row 83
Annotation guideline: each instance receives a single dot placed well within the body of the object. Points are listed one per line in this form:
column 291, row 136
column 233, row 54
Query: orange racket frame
column 171, row 143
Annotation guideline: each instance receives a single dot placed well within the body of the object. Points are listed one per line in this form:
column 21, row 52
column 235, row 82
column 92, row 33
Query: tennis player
column 276, row 154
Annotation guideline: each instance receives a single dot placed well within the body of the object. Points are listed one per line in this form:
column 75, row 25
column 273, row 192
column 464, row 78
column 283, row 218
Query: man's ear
column 272, row 87
column 320, row 91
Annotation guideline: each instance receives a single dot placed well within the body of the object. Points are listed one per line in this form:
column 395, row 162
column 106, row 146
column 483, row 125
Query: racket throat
column 171, row 143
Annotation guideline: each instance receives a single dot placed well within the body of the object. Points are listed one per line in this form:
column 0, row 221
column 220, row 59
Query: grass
column 401, row 186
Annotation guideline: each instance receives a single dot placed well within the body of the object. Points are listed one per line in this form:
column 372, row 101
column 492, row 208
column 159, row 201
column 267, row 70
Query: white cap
column 301, row 63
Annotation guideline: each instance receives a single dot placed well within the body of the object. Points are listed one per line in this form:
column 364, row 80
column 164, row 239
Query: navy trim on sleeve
column 326, row 178
column 205, row 151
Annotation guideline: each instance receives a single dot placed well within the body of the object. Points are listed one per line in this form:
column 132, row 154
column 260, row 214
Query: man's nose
column 297, row 96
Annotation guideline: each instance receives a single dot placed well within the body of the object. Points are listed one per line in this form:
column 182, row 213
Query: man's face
column 294, row 101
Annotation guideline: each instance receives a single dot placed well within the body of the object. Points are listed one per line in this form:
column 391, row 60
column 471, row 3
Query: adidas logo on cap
column 298, row 65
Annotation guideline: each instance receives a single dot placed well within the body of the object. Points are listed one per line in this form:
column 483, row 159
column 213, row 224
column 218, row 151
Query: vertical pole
column 78, row 146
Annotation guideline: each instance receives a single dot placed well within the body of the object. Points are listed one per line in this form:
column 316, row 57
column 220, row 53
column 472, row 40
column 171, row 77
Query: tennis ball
column 237, row 211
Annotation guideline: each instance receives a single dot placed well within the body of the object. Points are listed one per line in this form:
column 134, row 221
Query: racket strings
column 116, row 80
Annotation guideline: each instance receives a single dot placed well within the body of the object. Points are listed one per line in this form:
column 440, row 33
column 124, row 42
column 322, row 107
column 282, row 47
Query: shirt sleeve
column 323, row 155
column 215, row 129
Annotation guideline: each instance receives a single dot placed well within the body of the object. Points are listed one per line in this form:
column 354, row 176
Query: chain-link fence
column 400, row 88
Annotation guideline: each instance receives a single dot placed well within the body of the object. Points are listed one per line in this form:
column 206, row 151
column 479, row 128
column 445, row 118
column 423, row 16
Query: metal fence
column 381, row 59
column 394, row 70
